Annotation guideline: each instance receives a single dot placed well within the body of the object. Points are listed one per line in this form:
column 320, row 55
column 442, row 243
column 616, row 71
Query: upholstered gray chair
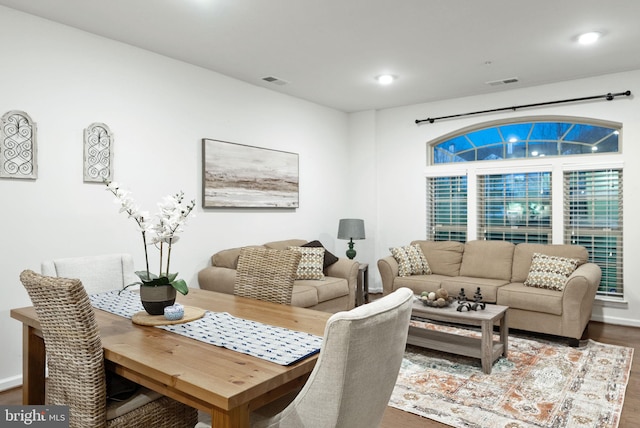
column 97, row 273
column 266, row 274
column 356, row 371
column 76, row 364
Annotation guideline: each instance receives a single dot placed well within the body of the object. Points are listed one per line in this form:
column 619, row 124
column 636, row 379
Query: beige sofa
column 335, row 292
column 500, row 270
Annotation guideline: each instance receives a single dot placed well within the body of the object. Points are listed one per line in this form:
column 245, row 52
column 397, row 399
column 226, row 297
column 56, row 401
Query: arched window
column 497, row 181
column 526, row 139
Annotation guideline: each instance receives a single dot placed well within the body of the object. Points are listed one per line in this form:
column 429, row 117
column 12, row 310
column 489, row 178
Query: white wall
column 400, row 147
column 159, row 109
column 361, row 185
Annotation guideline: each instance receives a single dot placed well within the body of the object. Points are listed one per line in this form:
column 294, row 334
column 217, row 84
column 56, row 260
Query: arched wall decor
column 18, row 147
column 98, row 153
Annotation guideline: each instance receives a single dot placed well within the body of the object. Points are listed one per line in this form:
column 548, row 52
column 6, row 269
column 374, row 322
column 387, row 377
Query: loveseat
column 335, row 292
column 511, row 275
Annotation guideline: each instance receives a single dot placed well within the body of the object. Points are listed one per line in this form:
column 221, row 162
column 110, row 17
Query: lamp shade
column 351, row 228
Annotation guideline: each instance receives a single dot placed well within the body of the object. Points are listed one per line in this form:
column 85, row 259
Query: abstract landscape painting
column 236, row 175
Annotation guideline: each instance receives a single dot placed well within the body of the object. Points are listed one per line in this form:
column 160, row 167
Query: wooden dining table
column 225, row 383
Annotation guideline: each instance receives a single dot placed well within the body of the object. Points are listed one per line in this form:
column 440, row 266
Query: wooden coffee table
column 483, row 348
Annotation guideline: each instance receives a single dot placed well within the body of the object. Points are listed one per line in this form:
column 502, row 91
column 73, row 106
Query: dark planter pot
column 155, row 298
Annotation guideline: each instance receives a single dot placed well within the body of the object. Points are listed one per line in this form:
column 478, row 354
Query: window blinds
column 447, row 208
column 515, row 207
column 593, row 219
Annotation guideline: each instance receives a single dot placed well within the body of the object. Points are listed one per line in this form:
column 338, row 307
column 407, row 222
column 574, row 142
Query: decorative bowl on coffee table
column 437, row 303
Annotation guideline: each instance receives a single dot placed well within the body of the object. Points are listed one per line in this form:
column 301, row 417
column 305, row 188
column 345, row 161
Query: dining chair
column 356, row 371
column 76, row 364
column 266, row 274
column 97, row 273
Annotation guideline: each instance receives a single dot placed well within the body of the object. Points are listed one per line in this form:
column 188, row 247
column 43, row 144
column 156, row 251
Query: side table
column 362, row 291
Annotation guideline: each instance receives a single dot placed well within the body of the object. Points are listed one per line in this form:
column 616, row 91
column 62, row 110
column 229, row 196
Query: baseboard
column 10, row 382
column 616, row 320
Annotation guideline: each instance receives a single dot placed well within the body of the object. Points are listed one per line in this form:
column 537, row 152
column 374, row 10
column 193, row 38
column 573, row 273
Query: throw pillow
column 550, row 272
column 329, row 258
column 311, row 262
column 411, row 260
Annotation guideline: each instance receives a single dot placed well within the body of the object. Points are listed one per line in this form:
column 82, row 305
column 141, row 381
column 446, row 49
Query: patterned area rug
column 541, row 384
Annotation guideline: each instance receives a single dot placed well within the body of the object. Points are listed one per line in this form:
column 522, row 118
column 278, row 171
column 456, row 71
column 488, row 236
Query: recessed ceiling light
column 589, row 38
column 385, row 79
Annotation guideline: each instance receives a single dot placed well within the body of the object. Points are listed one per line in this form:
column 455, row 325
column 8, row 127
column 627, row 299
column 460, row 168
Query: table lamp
column 351, row 228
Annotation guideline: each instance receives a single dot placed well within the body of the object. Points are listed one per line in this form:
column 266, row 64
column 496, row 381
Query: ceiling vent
column 275, row 80
column 502, row 81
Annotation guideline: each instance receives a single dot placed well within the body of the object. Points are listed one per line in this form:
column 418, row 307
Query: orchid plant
column 162, row 233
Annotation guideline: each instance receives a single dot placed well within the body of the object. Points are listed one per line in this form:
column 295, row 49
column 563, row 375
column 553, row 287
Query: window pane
column 516, row 132
column 457, row 144
column 549, row 131
column 605, row 251
column 491, row 153
column 574, row 149
column 447, row 208
column 608, row 144
column 516, row 150
column 468, row 156
column 539, row 148
column 515, row 207
column 587, row 133
column 593, row 218
column 527, row 139
column 485, row 137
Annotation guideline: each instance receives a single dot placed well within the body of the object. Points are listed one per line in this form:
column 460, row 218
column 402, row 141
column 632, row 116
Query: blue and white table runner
column 276, row 344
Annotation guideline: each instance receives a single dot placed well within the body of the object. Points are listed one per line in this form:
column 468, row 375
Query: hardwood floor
column 605, row 333
column 11, row 396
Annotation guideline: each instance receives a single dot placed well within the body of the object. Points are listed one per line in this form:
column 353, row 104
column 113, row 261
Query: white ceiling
column 329, row 51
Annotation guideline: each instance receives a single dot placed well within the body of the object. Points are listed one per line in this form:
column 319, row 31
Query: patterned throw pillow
column 550, row 272
column 411, row 260
column 311, row 262
column 329, row 258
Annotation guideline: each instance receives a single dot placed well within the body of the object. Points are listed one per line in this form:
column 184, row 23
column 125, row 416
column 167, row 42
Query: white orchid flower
column 112, row 186
column 162, row 228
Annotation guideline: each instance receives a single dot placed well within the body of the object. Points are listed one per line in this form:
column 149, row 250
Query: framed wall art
column 98, row 153
column 236, row 175
column 18, row 146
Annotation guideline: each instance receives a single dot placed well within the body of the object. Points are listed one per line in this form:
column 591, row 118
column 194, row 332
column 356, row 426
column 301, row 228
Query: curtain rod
column 608, row 97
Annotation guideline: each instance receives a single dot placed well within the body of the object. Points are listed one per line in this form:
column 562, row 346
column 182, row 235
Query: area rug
column 541, row 384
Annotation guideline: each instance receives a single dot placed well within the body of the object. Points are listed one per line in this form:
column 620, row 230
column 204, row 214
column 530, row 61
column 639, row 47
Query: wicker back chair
column 76, row 364
column 266, row 274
